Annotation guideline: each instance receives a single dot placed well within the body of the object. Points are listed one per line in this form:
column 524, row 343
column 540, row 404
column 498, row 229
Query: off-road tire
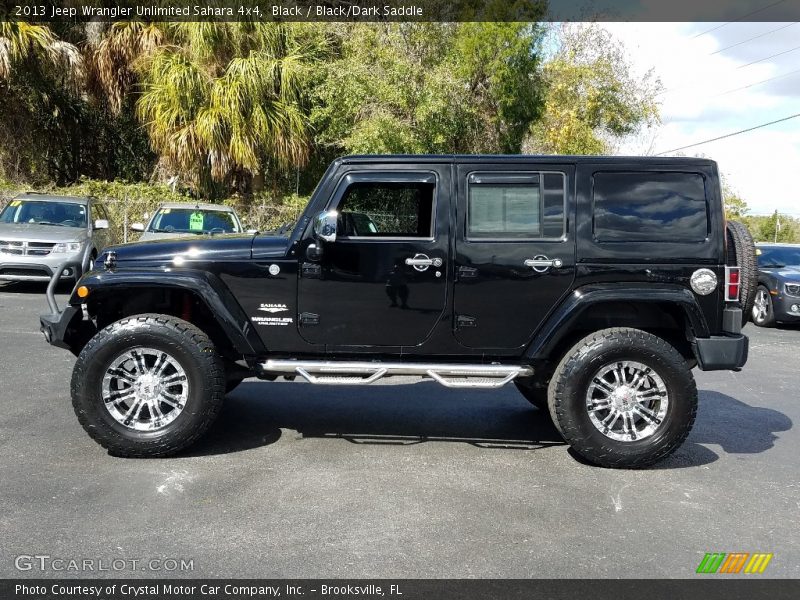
column 570, row 382
column 190, row 346
column 742, row 254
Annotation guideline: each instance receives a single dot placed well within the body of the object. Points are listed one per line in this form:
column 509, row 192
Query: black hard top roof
column 523, row 158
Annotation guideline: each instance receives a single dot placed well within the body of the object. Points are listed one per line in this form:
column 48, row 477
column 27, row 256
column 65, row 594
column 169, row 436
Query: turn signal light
column 82, row 291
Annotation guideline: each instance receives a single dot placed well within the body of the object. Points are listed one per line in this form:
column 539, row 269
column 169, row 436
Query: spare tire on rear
column 742, row 254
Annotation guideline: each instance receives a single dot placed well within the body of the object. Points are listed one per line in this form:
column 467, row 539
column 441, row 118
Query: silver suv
column 41, row 232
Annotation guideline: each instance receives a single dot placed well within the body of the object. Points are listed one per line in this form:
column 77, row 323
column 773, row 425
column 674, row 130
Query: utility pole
column 777, row 225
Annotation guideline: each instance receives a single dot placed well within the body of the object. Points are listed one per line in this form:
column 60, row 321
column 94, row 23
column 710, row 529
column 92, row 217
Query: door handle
column 421, row 262
column 541, row 263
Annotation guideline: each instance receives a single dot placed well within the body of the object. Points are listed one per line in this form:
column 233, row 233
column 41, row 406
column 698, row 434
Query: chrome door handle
column 421, row 262
column 541, row 263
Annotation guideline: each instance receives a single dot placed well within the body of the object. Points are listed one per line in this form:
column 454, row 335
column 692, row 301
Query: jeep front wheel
column 148, row 386
column 623, row 398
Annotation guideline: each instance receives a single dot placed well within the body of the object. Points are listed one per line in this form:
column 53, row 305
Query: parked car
column 182, row 219
column 778, row 294
column 41, row 232
column 594, row 284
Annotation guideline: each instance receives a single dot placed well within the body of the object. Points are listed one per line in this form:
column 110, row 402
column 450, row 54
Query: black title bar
column 401, row 10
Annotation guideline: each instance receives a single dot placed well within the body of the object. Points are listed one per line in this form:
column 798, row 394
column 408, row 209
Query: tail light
column 731, row 284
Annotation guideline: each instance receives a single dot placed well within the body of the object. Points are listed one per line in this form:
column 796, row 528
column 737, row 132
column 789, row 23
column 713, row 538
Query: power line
column 768, row 57
column 755, row 37
column 727, row 135
column 740, row 18
column 744, row 87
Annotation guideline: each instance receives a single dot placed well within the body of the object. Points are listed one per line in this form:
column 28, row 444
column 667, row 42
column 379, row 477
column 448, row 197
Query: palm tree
column 27, row 45
column 221, row 100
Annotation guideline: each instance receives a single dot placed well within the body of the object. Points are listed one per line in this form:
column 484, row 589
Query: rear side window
column 515, row 206
column 650, row 207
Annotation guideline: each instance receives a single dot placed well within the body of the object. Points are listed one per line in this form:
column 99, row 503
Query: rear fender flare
column 560, row 321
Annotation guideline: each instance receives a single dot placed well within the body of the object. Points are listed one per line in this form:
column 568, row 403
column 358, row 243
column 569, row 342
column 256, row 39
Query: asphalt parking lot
column 394, row 481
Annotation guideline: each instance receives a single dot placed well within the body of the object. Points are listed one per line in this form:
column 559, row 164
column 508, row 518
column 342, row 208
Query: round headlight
column 703, row 281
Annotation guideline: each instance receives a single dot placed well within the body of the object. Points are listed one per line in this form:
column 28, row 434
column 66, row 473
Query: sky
column 702, row 67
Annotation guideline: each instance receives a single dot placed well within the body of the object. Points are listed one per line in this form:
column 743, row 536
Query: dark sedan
column 778, row 294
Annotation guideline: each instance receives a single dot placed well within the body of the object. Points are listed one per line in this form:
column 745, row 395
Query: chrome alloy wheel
column 761, row 306
column 627, row 401
column 145, row 389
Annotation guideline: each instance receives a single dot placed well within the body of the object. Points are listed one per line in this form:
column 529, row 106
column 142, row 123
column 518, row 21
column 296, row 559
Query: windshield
column 193, row 220
column 778, row 256
column 38, row 212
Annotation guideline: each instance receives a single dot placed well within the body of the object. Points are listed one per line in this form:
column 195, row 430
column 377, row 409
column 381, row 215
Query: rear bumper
column 721, row 352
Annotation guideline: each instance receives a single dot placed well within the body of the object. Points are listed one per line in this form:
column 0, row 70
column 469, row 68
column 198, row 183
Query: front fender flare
column 559, row 322
column 206, row 286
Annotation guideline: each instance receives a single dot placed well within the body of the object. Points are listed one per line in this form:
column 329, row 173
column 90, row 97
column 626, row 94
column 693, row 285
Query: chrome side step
column 362, row 373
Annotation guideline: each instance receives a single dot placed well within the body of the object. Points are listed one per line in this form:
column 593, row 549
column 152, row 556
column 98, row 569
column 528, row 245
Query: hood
column 21, row 232
column 788, row 273
column 192, row 249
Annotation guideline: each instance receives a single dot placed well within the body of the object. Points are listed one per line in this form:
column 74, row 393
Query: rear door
column 514, row 250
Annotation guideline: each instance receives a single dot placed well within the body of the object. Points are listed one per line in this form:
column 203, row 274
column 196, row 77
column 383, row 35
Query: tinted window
column 37, row 212
column 524, row 206
column 387, row 210
column 191, row 220
column 778, row 256
column 659, row 207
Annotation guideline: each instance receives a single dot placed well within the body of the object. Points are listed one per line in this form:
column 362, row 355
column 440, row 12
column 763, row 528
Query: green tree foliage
column 430, row 88
column 593, row 97
column 735, row 206
column 765, row 228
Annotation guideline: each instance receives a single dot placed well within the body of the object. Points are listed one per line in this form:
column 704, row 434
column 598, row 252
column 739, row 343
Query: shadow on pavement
column 736, row 427
column 255, row 414
column 404, row 415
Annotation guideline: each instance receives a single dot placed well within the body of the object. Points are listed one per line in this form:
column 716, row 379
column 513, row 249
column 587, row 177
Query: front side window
column 650, row 207
column 192, row 220
column 383, row 209
column 37, row 212
column 515, row 206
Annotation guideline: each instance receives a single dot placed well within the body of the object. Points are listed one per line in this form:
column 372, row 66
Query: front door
column 383, row 281
column 515, row 250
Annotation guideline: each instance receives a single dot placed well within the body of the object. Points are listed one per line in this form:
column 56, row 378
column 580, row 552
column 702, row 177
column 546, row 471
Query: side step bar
column 362, row 373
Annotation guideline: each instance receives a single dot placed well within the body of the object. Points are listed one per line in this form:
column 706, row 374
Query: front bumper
column 38, row 268
column 55, row 326
column 782, row 308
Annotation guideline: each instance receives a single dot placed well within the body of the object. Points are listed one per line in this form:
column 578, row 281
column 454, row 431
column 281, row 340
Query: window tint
column 37, row 212
column 515, row 206
column 387, row 210
column 778, row 256
column 192, row 220
column 650, row 207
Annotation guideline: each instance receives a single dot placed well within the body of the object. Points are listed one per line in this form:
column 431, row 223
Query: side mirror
column 137, row 227
column 101, row 224
column 325, row 226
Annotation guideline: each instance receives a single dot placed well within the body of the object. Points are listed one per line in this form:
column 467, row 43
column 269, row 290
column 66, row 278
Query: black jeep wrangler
column 594, row 284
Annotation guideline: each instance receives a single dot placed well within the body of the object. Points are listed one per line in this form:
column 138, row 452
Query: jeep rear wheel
column 623, row 398
column 148, row 386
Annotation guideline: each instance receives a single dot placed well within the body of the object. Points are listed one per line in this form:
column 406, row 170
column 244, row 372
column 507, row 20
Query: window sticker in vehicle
column 15, row 203
column 196, row 221
column 166, row 211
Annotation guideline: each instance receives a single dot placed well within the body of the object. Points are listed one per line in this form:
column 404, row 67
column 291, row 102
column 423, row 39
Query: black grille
column 17, row 272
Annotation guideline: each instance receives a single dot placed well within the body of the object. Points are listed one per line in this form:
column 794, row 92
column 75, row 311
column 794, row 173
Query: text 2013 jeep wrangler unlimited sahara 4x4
column 593, row 284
